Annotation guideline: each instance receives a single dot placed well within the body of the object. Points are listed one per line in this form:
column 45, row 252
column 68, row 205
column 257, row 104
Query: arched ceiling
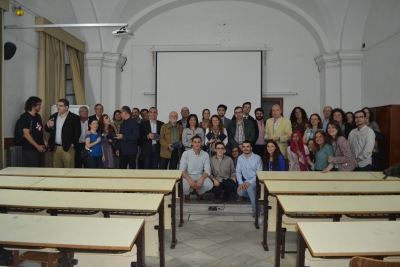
column 334, row 25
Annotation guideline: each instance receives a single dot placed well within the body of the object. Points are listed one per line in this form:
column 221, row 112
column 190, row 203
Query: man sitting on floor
column 247, row 165
column 195, row 164
column 223, row 173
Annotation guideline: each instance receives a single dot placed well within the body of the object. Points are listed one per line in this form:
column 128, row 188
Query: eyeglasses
column 359, row 117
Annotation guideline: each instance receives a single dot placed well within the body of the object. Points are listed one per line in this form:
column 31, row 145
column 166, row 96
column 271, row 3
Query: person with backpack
column 34, row 144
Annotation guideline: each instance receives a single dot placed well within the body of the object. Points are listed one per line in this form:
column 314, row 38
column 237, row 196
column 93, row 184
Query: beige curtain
column 51, row 76
column 77, row 71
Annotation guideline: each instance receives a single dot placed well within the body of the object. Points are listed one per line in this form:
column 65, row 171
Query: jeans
column 125, row 160
column 95, row 162
column 228, row 185
column 250, row 193
column 206, row 186
column 173, row 161
column 151, row 163
column 33, row 158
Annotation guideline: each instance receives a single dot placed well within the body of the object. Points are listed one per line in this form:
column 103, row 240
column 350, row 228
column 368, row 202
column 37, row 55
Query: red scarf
column 303, row 167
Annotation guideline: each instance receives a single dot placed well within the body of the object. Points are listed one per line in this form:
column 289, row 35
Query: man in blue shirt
column 247, row 165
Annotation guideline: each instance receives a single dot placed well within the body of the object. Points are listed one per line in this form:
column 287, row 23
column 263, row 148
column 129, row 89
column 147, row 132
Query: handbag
column 392, row 171
column 84, row 154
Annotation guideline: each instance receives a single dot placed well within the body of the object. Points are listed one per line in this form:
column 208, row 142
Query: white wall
column 290, row 61
column 381, row 62
column 20, row 72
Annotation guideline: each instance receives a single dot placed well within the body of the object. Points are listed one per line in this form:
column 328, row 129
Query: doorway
column 267, row 104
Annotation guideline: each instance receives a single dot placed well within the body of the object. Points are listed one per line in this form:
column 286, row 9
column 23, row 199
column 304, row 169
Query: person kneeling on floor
column 223, row 173
column 195, row 164
column 247, row 165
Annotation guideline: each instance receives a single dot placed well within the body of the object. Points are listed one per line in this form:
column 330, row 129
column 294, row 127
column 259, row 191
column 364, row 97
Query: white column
column 102, row 83
column 340, row 77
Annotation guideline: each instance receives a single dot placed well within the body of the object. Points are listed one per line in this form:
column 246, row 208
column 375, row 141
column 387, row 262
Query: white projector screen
column 200, row 80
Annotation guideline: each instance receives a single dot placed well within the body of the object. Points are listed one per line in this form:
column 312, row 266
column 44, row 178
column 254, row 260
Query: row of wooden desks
column 73, row 234
column 72, row 202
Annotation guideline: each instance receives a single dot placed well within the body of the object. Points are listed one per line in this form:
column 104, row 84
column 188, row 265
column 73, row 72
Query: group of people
column 216, row 153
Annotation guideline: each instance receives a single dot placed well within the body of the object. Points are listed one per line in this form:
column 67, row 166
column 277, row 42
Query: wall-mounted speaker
column 9, row 50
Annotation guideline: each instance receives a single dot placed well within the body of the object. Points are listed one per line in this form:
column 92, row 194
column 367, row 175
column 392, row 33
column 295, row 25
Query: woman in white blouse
column 215, row 132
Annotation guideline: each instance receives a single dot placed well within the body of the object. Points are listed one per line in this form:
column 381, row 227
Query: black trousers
column 33, row 158
column 78, row 163
column 173, row 161
column 125, row 160
column 228, row 185
column 259, row 150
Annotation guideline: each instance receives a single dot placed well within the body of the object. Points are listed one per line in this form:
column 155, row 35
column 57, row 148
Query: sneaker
column 239, row 199
column 199, row 198
column 187, row 198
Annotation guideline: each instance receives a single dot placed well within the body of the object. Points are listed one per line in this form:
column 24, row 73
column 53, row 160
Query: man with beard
column 259, row 129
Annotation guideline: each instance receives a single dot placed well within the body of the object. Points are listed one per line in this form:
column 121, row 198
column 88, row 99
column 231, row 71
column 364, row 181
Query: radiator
column 14, row 157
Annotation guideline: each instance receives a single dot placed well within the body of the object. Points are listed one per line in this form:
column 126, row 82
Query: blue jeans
column 95, row 162
column 151, row 163
column 250, row 193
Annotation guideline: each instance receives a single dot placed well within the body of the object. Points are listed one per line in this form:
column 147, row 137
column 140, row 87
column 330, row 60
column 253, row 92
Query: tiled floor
column 215, row 240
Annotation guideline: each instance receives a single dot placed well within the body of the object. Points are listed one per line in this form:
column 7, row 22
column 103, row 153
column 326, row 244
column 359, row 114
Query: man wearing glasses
column 223, row 173
column 64, row 128
column 128, row 135
column 361, row 142
column 240, row 130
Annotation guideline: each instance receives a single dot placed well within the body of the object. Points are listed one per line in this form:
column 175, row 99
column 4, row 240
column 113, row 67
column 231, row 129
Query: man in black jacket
column 150, row 141
column 128, row 136
column 64, row 128
column 240, row 129
column 98, row 111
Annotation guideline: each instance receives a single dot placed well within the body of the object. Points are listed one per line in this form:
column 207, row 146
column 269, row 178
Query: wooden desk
column 165, row 186
column 332, row 205
column 367, row 238
column 70, row 234
column 42, row 172
column 380, row 176
column 316, row 176
column 308, row 176
column 323, row 187
column 105, row 202
column 18, row 182
column 118, row 173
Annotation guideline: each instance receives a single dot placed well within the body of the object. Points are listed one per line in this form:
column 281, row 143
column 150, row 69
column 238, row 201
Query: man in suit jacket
column 246, row 112
column 278, row 129
column 128, row 136
column 221, row 110
column 98, row 111
column 236, row 136
column 64, row 128
column 259, row 128
column 151, row 144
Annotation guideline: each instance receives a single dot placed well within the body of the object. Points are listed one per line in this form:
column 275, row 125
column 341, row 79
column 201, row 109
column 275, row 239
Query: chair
column 48, row 259
column 367, row 262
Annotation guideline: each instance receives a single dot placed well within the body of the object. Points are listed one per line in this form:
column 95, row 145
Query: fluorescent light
column 66, row 25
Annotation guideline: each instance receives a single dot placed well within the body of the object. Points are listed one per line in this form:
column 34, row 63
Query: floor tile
column 197, row 258
column 219, row 251
column 259, row 252
column 243, row 218
column 181, row 249
column 238, row 259
column 199, row 243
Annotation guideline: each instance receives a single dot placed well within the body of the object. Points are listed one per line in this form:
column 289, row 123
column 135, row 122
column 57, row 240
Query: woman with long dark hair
column 313, row 150
column 215, row 132
column 338, row 115
column 343, row 158
column 315, row 123
column 299, row 120
column 108, row 141
column 350, row 118
column 297, row 153
column 273, row 158
column 324, row 150
column 370, row 120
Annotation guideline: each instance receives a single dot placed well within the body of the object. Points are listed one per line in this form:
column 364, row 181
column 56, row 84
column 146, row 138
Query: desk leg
column 265, row 227
column 66, row 258
column 139, row 242
column 257, row 204
column 161, row 234
column 181, row 196
column 173, row 218
column 301, row 250
column 278, row 235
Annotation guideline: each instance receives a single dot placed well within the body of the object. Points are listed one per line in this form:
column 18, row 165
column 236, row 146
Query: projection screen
column 205, row 79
